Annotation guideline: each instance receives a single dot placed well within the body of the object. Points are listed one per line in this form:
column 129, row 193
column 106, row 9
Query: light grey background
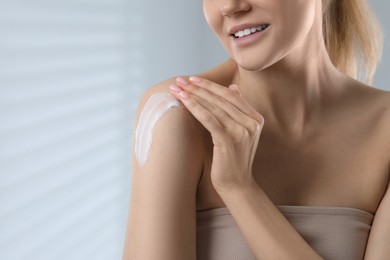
column 382, row 78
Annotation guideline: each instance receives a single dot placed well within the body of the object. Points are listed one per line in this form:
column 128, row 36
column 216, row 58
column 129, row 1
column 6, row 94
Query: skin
column 294, row 131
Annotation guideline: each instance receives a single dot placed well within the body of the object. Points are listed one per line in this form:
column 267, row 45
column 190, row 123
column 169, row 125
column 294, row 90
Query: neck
column 290, row 94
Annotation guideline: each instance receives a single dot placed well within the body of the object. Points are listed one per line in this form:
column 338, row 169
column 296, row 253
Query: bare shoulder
column 220, row 74
column 379, row 102
column 370, row 106
column 371, row 91
column 173, row 123
column 162, row 89
column 373, row 100
column 384, row 100
column 382, row 96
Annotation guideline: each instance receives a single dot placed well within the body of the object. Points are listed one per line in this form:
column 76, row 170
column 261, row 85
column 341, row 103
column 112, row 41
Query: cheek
column 296, row 22
column 211, row 16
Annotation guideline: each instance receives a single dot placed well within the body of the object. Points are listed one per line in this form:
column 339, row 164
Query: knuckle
column 254, row 127
column 192, row 88
column 230, row 94
column 191, row 103
column 259, row 118
column 241, row 132
column 206, row 83
column 211, row 107
column 220, row 101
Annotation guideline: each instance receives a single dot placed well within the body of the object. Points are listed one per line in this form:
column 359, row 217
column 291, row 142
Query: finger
column 226, row 93
column 221, row 115
column 208, row 99
column 214, row 119
column 235, row 88
column 237, row 127
column 211, row 100
column 202, row 114
column 238, row 115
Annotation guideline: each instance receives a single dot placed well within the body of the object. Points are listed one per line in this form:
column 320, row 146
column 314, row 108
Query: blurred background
column 71, row 76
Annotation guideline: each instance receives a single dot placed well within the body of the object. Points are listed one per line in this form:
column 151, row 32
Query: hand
column 235, row 128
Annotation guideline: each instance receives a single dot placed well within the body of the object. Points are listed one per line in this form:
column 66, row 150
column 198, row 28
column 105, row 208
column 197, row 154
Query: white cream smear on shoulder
column 156, row 106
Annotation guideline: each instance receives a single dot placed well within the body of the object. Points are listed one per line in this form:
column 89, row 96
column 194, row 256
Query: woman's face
column 289, row 22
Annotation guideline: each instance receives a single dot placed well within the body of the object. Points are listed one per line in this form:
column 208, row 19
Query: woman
column 278, row 153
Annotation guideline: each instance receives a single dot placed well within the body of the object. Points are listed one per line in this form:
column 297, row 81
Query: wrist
column 246, row 186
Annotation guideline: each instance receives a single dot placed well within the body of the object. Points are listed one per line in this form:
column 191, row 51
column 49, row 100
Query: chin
column 250, row 64
column 258, row 62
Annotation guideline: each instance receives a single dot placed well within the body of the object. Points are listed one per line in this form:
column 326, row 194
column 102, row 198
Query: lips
column 246, row 37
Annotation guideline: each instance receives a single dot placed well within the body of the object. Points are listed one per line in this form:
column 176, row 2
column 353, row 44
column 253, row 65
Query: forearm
column 268, row 233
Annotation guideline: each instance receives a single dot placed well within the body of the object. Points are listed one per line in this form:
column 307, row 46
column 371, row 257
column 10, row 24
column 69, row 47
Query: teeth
column 240, row 34
column 248, row 31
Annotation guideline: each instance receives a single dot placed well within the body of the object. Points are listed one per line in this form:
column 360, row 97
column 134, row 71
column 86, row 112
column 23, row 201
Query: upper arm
column 162, row 215
column 379, row 240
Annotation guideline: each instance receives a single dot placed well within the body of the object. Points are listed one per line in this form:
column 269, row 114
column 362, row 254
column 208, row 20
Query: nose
column 234, row 7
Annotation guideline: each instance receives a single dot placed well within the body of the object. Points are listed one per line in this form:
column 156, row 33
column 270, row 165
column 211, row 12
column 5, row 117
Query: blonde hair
column 353, row 37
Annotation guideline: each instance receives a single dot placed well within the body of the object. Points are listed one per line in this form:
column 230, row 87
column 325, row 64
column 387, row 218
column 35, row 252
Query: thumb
column 235, row 88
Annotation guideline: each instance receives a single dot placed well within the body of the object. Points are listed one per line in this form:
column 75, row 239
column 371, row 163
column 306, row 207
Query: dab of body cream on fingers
column 156, row 106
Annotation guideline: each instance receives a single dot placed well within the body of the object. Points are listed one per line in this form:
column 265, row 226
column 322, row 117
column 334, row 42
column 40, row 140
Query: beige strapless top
column 335, row 233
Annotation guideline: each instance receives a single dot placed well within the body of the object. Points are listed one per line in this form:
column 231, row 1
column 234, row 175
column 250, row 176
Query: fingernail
column 182, row 81
column 195, row 79
column 184, row 95
column 175, row 88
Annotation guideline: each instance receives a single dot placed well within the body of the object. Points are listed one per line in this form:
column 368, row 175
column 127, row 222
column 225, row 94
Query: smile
column 250, row 31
